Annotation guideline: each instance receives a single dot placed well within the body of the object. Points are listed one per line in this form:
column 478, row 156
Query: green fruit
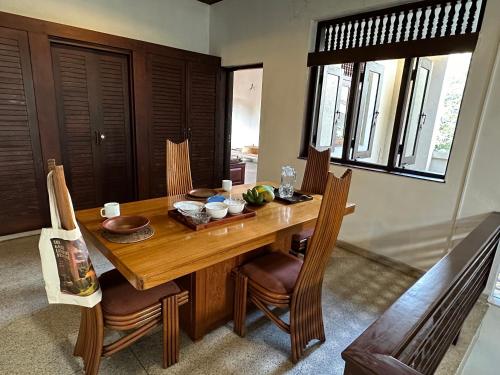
column 267, row 191
column 268, row 196
column 263, row 188
column 260, row 199
column 253, row 197
column 248, row 197
column 255, row 194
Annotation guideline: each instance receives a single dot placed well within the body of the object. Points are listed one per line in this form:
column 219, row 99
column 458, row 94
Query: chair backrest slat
column 63, row 201
column 179, row 179
column 316, row 172
column 324, row 238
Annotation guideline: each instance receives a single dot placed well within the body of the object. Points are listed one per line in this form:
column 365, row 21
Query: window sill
column 382, row 170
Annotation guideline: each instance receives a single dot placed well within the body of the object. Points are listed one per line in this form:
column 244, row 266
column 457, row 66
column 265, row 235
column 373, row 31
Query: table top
column 176, row 250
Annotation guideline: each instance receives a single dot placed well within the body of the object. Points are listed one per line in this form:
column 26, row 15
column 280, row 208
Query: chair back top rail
column 178, row 168
column 63, row 202
column 316, row 172
column 379, row 346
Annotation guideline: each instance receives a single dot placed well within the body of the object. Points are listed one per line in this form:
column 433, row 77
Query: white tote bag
column 67, row 270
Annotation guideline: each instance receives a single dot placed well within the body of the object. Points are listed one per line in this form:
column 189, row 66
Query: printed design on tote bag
column 76, row 273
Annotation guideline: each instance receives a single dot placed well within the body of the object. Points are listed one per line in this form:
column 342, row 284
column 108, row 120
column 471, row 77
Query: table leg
column 211, row 289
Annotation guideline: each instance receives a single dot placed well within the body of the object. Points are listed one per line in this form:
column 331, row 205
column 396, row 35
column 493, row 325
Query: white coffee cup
column 227, row 185
column 110, row 210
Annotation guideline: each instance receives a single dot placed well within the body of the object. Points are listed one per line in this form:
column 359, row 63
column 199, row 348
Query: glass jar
column 288, row 176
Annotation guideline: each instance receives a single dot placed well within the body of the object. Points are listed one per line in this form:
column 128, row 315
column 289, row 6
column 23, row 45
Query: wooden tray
column 297, row 197
column 176, row 215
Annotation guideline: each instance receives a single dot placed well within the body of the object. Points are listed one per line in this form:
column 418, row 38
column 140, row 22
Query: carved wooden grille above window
column 423, row 28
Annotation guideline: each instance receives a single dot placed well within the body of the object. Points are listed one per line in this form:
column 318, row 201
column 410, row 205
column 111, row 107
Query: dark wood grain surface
column 21, row 169
column 161, row 97
column 93, row 100
column 412, row 336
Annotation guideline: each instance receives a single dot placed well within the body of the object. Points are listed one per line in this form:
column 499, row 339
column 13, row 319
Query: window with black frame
column 387, row 86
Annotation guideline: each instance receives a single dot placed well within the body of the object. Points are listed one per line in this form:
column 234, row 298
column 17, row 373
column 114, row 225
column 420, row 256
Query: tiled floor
column 37, row 338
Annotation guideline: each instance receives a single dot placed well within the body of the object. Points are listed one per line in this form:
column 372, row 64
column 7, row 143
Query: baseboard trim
column 20, row 235
column 389, row 262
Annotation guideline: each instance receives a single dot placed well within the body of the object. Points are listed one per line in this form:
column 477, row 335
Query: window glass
column 334, row 102
column 431, row 129
column 417, row 116
column 370, row 111
column 328, row 108
column 378, row 100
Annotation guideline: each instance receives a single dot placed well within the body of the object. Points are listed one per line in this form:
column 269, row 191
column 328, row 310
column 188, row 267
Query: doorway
column 244, row 94
column 93, row 103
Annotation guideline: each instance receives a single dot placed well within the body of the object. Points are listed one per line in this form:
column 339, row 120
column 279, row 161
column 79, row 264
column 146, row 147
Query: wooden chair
column 282, row 280
column 179, row 179
column 314, row 182
column 122, row 307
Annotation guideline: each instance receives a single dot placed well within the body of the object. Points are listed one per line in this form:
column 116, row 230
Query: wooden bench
column 413, row 335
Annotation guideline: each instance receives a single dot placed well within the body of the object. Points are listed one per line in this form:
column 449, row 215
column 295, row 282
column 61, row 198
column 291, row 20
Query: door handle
column 336, row 117
column 423, row 117
column 189, row 134
column 99, row 137
column 375, row 118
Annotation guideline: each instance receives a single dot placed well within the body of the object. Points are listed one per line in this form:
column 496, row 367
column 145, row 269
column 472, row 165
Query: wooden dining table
column 199, row 261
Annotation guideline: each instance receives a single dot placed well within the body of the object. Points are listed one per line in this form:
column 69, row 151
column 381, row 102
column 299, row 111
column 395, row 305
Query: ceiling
column 210, row 2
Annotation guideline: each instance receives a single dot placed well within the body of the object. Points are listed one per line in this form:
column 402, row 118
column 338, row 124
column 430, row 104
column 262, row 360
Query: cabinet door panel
column 94, row 119
column 115, row 151
column 22, row 191
column 168, row 108
column 76, row 125
column 202, row 98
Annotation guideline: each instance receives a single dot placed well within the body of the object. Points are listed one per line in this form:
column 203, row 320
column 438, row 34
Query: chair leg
column 80, row 341
column 240, row 303
column 296, row 336
column 306, row 324
column 455, row 340
column 92, row 339
column 297, row 350
column 170, row 313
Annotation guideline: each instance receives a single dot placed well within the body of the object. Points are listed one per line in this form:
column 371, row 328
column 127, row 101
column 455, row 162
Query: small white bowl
column 216, row 210
column 235, row 206
column 189, row 206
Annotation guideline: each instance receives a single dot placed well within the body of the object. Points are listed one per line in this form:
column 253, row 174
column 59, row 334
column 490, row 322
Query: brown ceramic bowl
column 125, row 224
column 202, row 193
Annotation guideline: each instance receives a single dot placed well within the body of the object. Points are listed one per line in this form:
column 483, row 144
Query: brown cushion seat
column 303, row 235
column 277, row 272
column 119, row 297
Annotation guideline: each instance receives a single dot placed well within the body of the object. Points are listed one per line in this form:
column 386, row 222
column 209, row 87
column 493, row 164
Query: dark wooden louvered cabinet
column 168, row 114
column 22, row 192
column 93, row 102
column 201, row 132
column 183, row 105
column 103, row 106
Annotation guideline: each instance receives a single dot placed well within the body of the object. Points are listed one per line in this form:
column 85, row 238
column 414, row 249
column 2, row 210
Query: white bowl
column 216, row 210
column 189, row 206
column 235, row 206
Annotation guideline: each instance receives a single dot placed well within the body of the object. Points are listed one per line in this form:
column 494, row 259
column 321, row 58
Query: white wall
column 245, row 121
column 175, row 23
column 482, row 187
column 400, row 217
